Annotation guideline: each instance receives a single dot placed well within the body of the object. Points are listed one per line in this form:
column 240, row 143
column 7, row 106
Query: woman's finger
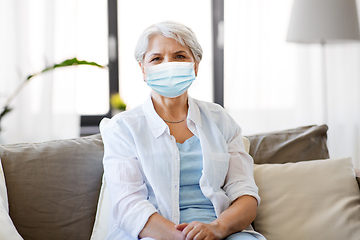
column 200, row 235
column 181, row 226
column 188, row 231
column 192, row 233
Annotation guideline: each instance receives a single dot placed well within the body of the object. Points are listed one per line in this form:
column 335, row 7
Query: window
column 260, row 66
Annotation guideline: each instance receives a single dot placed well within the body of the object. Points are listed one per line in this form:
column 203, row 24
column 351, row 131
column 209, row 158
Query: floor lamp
column 323, row 22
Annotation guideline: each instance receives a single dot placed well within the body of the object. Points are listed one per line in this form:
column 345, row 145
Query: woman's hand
column 200, row 231
column 234, row 219
column 160, row 228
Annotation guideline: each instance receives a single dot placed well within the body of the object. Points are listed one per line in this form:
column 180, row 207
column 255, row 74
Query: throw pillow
column 100, row 228
column 308, row 200
column 246, row 144
column 53, row 187
column 292, row 145
column 7, row 229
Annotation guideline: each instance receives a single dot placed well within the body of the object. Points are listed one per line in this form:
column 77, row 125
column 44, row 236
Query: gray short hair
column 177, row 31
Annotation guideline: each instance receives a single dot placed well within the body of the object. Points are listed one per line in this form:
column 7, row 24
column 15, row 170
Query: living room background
column 270, row 84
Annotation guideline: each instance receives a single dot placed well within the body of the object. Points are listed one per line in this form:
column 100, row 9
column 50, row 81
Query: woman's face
column 162, row 50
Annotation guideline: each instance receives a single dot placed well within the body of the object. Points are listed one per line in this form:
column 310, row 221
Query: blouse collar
column 157, row 124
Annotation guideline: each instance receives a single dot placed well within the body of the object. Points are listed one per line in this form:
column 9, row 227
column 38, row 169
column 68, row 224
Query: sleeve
column 130, row 207
column 240, row 177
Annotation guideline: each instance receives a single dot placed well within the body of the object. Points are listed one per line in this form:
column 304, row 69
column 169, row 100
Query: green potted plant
column 69, row 62
column 117, row 104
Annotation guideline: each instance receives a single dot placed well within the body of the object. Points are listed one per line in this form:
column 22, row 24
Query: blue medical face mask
column 170, row 79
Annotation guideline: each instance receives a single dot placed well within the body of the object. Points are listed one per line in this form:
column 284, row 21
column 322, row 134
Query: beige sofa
column 53, row 188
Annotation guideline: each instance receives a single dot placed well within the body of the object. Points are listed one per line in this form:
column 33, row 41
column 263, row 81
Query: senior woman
column 176, row 166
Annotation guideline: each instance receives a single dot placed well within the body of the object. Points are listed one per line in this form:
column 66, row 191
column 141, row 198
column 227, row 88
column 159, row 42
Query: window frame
column 89, row 124
column 218, row 50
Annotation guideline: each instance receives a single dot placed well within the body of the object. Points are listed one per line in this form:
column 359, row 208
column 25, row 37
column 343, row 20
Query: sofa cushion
column 308, row 200
column 293, row 145
column 53, row 187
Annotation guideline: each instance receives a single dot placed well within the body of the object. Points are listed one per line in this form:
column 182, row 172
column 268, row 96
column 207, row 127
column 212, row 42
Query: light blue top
column 194, row 206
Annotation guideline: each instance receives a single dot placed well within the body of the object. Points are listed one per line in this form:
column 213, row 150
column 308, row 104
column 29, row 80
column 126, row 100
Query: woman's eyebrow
column 154, row 54
column 181, row 51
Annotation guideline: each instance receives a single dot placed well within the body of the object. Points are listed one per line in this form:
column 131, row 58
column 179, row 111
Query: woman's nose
column 166, row 60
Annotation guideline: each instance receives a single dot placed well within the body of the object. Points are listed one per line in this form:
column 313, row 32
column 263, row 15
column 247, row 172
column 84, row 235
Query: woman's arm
column 160, row 228
column 125, row 179
column 234, row 219
column 238, row 216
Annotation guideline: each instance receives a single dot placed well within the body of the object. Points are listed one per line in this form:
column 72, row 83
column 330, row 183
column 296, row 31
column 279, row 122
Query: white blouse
column 142, row 165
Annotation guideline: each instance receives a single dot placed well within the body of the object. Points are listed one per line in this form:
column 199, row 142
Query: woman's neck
column 170, row 109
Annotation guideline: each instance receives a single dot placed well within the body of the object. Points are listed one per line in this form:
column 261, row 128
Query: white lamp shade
column 320, row 21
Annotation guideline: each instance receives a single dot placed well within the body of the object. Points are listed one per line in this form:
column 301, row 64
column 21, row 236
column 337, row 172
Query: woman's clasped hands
column 200, row 231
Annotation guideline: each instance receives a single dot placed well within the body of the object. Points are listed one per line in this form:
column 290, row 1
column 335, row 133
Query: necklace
column 175, row 121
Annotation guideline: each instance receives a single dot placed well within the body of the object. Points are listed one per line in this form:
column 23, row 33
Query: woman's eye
column 155, row 59
column 180, row 56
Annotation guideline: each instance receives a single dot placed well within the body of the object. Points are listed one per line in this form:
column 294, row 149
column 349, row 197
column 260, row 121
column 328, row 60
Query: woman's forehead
column 161, row 44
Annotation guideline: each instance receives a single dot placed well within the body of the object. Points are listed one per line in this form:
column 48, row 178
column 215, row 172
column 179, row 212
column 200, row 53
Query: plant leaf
column 67, row 63
column 5, row 111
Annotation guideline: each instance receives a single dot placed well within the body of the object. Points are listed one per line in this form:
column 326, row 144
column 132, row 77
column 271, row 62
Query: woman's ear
column 143, row 71
column 196, row 68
